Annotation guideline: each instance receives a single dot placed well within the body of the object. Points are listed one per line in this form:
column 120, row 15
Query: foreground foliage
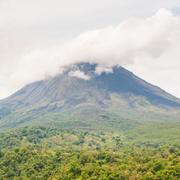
column 49, row 153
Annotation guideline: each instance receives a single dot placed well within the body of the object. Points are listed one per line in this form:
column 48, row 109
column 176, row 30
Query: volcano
column 81, row 96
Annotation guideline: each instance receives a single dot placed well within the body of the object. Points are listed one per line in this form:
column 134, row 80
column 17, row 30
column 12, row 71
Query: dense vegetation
column 51, row 153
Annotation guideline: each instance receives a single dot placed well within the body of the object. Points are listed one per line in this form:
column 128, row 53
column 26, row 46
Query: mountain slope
column 81, row 97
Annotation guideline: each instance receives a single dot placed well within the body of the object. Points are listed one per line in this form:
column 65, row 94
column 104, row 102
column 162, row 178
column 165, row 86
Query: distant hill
column 81, row 97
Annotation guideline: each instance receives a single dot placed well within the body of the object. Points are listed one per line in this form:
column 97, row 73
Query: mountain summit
column 86, row 91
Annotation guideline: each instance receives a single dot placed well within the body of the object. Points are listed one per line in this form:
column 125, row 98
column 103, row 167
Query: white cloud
column 103, row 68
column 123, row 44
column 79, row 74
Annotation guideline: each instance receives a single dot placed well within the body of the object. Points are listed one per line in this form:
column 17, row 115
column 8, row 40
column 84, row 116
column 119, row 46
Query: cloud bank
column 121, row 44
column 79, row 74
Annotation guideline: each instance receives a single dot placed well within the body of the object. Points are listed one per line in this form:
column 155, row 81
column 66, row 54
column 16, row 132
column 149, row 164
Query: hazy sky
column 38, row 36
